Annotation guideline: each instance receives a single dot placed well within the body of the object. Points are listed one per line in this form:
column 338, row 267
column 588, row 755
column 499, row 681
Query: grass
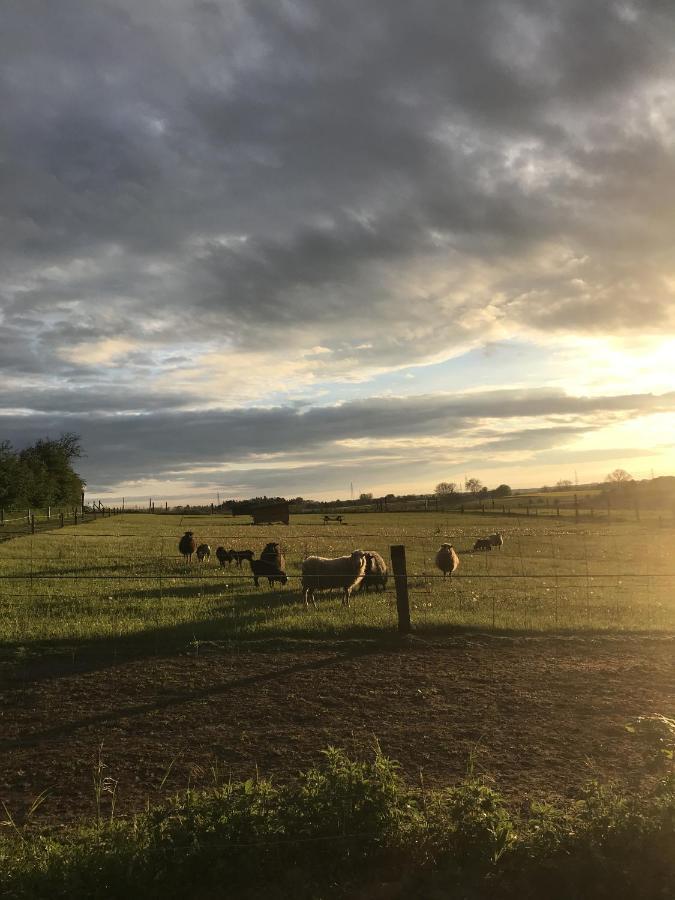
column 347, row 826
column 121, row 579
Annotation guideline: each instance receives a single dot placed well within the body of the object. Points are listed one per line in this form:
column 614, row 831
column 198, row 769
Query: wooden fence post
column 61, row 519
column 32, row 523
column 2, row 516
column 401, row 582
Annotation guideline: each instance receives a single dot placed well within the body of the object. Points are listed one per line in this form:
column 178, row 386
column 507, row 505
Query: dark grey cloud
column 165, row 446
column 391, row 181
column 338, row 144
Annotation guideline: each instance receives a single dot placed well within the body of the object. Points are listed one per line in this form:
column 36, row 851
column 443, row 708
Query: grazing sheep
column 261, row 568
column 223, row 556
column 483, row 544
column 239, row 555
column 273, row 555
column 446, row 559
column 497, row 539
column 203, row 552
column 376, row 572
column 187, row 545
column 319, row 573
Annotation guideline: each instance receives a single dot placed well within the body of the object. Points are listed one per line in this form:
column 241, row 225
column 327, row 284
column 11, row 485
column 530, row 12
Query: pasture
column 123, row 578
column 528, row 661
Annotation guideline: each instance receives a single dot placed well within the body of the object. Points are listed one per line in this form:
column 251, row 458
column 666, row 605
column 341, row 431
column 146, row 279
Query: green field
column 121, row 579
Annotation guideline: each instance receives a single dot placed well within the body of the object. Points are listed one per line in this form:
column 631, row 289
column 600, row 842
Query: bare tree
column 445, row 487
column 473, row 485
column 619, row 476
column 563, row 483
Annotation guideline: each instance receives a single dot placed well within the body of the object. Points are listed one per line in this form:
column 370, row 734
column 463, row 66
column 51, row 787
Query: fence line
column 142, row 576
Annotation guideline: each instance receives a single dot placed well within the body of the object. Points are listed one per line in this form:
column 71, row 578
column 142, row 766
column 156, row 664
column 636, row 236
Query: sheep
column 272, row 554
column 497, row 539
column 376, row 572
column 319, row 573
column 483, row 544
column 261, row 568
column 223, row 556
column 187, row 545
column 203, row 552
column 239, row 555
column 446, row 559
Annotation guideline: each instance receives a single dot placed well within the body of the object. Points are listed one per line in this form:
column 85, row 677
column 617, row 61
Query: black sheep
column 187, row 546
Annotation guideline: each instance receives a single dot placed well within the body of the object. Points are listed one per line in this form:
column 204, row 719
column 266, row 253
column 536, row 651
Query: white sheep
column 320, row 573
column 376, row 572
column 446, row 559
column 203, row 552
column 497, row 539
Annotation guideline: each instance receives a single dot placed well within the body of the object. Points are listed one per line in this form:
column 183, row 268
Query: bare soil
column 543, row 715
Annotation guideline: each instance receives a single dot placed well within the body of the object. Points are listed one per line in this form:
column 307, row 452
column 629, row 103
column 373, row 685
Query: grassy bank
column 348, row 829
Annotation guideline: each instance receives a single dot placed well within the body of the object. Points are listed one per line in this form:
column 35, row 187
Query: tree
column 473, row 485
column 445, row 487
column 563, row 483
column 502, row 491
column 619, row 476
column 42, row 474
column 366, row 497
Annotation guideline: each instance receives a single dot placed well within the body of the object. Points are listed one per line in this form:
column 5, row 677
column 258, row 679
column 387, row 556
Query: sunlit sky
column 286, row 248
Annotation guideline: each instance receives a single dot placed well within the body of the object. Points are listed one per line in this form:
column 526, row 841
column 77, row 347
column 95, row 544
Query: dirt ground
column 542, row 715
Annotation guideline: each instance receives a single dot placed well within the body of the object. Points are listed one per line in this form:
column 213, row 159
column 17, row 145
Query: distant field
column 122, row 577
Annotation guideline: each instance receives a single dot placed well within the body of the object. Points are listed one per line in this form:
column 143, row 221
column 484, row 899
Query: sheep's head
column 360, row 558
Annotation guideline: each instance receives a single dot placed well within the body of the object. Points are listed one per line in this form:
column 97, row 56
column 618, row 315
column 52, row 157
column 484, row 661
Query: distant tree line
column 472, row 486
column 42, row 474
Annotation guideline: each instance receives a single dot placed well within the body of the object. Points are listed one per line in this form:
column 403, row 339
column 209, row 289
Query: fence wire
column 123, row 581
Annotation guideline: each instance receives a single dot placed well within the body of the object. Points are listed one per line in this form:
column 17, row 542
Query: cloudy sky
column 278, row 247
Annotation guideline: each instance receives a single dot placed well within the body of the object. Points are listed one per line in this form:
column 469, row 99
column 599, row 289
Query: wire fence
column 113, row 583
column 36, row 521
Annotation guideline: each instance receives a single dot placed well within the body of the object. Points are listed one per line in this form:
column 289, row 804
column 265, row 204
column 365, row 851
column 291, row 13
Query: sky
column 286, row 248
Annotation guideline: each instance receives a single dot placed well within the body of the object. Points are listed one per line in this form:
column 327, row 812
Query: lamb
column 239, row 555
column 376, row 572
column 261, row 568
column 187, row 546
column 272, row 554
column 483, row 544
column 319, row 573
column 223, row 556
column 203, row 552
column 497, row 539
column 446, row 559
